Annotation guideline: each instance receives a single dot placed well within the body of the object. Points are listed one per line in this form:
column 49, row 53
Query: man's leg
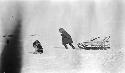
column 71, row 45
column 65, row 46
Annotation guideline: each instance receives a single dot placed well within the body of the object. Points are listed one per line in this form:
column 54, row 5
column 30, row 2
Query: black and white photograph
column 62, row 36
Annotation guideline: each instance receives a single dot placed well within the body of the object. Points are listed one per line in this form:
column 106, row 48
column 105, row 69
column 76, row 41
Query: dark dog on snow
column 38, row 47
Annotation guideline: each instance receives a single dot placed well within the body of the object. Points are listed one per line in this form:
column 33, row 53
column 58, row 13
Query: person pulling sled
column 66, row 38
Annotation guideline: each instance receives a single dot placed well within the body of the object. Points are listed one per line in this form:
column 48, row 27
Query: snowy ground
column 60, row 60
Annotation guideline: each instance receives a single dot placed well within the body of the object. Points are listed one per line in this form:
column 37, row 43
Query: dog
column 38, row 47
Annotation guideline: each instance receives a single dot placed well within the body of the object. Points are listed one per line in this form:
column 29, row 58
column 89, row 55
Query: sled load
column 38, row 47
column 94, row 44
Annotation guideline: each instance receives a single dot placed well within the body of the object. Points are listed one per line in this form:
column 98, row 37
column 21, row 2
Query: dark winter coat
column 66, row 38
